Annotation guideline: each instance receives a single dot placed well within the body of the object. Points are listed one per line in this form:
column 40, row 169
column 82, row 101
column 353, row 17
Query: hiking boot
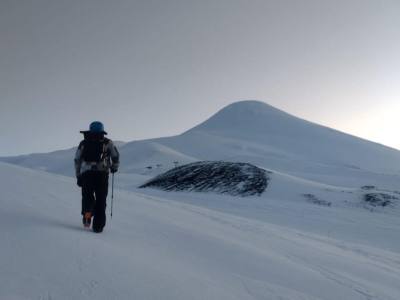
column 87, row 219
column 97, row 230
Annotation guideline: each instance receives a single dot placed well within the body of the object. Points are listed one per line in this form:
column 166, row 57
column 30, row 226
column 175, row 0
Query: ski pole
column 112, row 193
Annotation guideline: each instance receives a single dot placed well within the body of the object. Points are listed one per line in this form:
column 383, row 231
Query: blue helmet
column 97, row 127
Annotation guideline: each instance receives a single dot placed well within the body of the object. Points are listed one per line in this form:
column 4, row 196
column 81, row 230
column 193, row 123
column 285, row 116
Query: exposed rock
column 379, row 199
column 238, row 179
column 315, row 200
column 368, row 187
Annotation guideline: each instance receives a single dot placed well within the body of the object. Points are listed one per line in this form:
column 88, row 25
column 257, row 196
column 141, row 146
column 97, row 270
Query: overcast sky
column 154, row 68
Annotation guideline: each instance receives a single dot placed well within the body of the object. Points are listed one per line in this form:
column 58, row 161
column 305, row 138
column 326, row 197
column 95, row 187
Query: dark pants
column 94, row 195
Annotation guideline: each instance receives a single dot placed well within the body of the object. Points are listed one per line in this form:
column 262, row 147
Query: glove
column 113, row 169
column 79, row 181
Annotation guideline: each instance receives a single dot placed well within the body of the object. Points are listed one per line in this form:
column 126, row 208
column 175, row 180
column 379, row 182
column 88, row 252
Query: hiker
column 95, row 157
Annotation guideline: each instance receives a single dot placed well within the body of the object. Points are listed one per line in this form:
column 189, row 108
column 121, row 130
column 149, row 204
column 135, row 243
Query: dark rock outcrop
column 379, row 199
column 237, row 179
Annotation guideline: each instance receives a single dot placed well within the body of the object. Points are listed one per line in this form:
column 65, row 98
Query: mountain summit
column 252, row 117
column 245, row 116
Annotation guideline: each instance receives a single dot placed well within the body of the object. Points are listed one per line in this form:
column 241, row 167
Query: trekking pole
column 112, row 193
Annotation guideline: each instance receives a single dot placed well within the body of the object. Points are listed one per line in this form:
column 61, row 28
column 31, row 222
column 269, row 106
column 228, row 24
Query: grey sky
column 155, row 68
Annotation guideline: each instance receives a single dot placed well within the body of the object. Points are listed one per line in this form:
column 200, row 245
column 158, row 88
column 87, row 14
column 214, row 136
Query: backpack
column 94, row 150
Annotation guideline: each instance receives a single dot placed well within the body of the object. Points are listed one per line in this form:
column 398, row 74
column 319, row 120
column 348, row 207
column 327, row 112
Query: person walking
column 95, row 157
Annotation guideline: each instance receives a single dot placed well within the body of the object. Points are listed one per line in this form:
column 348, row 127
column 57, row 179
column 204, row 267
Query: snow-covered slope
column 143, row 154
column 310, row 235
column 192, row 246
column 254, row 132
column 59, row 162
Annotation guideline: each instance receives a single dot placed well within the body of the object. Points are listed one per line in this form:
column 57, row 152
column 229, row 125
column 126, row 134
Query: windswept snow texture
column 220, row 177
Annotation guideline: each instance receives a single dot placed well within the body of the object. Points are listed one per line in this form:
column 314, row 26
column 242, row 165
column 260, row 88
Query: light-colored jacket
column 111, row 159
